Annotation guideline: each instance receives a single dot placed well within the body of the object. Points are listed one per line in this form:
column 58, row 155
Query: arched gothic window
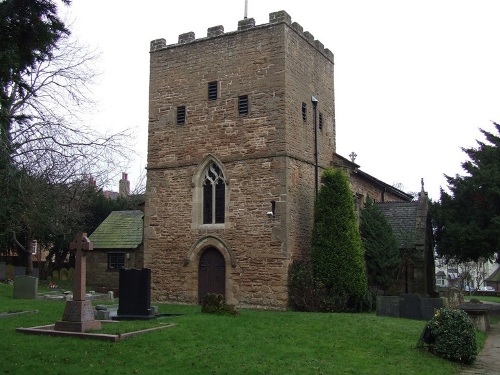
column 214, row 195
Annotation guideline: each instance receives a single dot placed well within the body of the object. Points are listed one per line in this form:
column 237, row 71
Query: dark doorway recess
column 211, row 273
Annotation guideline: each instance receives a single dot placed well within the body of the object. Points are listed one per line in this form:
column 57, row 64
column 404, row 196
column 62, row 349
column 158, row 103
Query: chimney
column 124, row 186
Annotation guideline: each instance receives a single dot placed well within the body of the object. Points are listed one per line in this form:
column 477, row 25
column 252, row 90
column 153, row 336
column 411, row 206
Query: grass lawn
column 256, row 342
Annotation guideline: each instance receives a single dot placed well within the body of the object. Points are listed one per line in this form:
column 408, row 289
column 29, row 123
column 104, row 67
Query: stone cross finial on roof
column 353, row 156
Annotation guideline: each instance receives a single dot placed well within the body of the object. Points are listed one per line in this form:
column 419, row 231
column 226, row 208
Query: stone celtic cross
column 80, row 244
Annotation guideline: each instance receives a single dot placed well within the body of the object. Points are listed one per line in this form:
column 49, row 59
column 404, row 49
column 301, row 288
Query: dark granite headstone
column 135, row 293
column 409, row 306
column 388, row 306
column 428, row 306
column 25, row 287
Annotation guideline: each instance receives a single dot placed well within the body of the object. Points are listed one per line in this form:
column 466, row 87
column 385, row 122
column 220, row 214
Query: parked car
column 487, row 289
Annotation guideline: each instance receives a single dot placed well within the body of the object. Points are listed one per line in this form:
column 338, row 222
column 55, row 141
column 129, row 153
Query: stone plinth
column 478, row 314
column 78, row 316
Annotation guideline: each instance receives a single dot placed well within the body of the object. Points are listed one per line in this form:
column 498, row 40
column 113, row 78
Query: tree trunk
column 26, row 251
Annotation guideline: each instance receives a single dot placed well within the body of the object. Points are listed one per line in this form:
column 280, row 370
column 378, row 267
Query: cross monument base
column 78, row 316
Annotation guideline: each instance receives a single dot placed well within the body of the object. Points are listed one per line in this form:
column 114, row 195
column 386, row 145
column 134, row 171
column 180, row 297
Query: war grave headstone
column 78, row 314
column 63, row 274
column 25, row 287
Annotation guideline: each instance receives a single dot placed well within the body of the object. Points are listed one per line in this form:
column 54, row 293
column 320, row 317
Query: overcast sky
column 414, row 80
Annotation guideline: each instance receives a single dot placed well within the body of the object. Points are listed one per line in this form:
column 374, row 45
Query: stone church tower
column 231, row 159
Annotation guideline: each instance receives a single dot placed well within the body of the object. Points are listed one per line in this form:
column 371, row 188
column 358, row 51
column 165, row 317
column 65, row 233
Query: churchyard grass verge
column 255, row 342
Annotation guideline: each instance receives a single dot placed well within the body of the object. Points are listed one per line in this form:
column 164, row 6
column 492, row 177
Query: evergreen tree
column 467, row 221
column 383, row 259
column 337, row 255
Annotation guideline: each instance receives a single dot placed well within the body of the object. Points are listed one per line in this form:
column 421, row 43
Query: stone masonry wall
column 266, row 156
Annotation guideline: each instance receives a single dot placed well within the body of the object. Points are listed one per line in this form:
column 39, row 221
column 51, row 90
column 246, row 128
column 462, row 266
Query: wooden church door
column 211, row 273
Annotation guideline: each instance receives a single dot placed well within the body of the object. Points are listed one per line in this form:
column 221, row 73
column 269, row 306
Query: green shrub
column 213, row 303
column 453, row 335
column 337, row 254
column 308, row 294
column 301, row 290
column 383, row 259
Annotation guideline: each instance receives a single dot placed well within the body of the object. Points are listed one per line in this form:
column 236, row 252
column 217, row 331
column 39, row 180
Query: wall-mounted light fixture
column 272, row 213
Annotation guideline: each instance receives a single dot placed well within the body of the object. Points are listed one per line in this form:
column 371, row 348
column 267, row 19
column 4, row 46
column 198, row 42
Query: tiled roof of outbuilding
column 120, row 230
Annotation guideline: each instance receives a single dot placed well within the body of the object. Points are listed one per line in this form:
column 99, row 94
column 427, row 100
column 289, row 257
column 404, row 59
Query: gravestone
column 9, row 272
column 428, row 306
column 63, row 274
column 135, row 294
column 25, row 287
column 453, row 297
column 3, row 271
column 388, row 306
column 78, row 314
column 409, row 306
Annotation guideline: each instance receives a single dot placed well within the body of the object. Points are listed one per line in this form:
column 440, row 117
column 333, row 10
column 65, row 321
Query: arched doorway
column 211, row 273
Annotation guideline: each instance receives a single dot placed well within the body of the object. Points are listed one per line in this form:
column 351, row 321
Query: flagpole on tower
column 246, row 8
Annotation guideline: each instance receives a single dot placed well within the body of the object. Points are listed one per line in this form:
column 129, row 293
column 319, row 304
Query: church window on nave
column 214, row 193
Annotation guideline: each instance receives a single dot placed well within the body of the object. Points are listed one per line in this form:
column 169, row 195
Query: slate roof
column 120, row 230
column 402, row 217
column 495, row 276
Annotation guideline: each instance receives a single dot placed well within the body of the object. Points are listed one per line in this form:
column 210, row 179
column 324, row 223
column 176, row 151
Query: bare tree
column 47, row 136
column 47, row 143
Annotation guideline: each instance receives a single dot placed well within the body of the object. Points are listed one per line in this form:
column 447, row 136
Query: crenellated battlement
column 244, row 25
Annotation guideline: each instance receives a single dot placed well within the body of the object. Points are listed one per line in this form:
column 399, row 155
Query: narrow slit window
column 181, row 115
column 320, row 121
column 212, row 90
column 304, row 112
column 243, row 105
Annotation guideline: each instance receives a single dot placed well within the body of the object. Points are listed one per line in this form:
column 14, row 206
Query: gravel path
column 488, row 361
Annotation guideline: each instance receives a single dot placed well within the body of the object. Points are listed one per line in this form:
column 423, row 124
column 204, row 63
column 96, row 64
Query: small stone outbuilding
column 118, row 243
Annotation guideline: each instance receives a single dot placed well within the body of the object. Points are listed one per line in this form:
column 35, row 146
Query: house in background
column 494, row 278
column 118, row 243
column 468, row 276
